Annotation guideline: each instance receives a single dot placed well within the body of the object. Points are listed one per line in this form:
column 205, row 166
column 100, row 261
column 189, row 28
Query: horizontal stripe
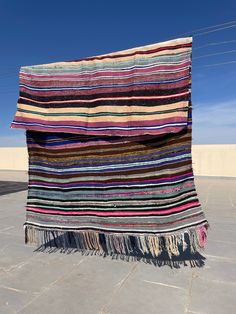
column 98, row 121
column 99, row 129
column 60, row 183
column 108, row 72
column 118, row 166
column 123, row 213
column 110, row 98
column 103, row 109
column 61, row 88
column 102, row 114
column 183, row 228
column 126, row 76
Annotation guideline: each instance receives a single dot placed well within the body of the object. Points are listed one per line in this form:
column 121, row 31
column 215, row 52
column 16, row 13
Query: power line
column 215, row 54
column 215, row 44
column 215, row 30
column 209, row 27
column 15, row 73
column 215, row 64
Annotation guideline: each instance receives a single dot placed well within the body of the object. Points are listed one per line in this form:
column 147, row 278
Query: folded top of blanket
column 142, row 90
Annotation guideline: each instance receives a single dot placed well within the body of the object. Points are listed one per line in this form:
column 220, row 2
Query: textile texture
column 109, row 140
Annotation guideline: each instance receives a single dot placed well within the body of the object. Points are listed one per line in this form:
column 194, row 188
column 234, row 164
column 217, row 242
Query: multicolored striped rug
column 109, row 142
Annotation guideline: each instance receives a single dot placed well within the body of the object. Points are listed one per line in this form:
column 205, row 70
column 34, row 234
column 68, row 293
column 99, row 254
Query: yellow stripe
column 114, row 109
column 104, row 119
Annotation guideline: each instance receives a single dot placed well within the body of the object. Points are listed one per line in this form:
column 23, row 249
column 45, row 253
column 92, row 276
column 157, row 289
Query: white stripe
column 106, row 185
column 100, row 129
column 131, row 232
column 38, row 200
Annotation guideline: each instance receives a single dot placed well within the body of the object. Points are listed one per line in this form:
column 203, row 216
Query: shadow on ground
column 185, row 258
column 7, row 187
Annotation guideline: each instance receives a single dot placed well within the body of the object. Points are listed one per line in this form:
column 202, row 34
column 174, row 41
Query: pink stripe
column 152, row 76
column 87, row 124
column 105, row 89
column 114, row 214
column 104, row 132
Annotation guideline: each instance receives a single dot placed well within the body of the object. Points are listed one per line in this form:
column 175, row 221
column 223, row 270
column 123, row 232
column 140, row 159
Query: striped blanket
column 109, row 143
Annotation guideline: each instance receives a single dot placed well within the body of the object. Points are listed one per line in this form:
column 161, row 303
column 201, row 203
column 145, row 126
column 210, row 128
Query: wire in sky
column 13, row 72
column 215, row 64
column 215, row 30
column 217, row 43
column 215, row 54
column 209, row 27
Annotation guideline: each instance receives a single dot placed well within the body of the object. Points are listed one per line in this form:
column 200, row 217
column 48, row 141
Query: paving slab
column 217, row 270
column 11, row 300
column 210, row 297
column 138, row 296
column 86, row 289
column 23, row 277
column 222, row 249
column 165, row 276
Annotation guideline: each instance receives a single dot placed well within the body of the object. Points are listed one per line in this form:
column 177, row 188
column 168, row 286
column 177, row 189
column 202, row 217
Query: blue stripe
column 64, row 166
column 100, row 129
column 113, row 169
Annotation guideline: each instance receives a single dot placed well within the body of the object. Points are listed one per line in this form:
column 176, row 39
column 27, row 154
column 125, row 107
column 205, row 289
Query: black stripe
column 121, row 207
column 114, row 102
column 101, row 230
column 143, row 92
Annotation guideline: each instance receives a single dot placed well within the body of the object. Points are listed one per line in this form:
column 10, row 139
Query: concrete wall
column 214, row 160
column 208, row 160
column 13, row 158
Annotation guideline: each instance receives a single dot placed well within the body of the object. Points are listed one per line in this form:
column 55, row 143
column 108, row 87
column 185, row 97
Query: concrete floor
column 38, row 282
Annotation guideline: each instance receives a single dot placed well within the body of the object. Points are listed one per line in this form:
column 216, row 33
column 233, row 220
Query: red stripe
column 139, row 52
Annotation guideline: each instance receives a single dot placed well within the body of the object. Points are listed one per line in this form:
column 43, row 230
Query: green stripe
column 73, row 114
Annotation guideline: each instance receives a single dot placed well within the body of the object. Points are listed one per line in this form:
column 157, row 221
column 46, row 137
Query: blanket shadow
column 186, row 258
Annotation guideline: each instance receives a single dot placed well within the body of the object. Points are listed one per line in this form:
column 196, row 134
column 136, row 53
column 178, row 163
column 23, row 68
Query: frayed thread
column 103, row 243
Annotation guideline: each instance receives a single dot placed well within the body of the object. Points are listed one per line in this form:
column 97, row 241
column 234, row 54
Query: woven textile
column 109, row 142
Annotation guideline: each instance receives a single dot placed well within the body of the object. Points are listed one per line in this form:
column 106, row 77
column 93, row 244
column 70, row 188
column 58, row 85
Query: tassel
column 117, row 244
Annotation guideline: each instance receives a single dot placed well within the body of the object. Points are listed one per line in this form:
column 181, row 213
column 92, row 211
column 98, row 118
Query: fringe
column 103, row 243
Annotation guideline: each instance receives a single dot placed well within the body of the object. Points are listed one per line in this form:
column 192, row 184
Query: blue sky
column 36, row 32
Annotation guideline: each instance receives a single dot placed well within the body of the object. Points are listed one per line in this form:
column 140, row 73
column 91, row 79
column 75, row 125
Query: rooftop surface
column 38, row 282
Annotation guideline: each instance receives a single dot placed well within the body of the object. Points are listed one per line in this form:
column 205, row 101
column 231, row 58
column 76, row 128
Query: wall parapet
column 208, row 159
